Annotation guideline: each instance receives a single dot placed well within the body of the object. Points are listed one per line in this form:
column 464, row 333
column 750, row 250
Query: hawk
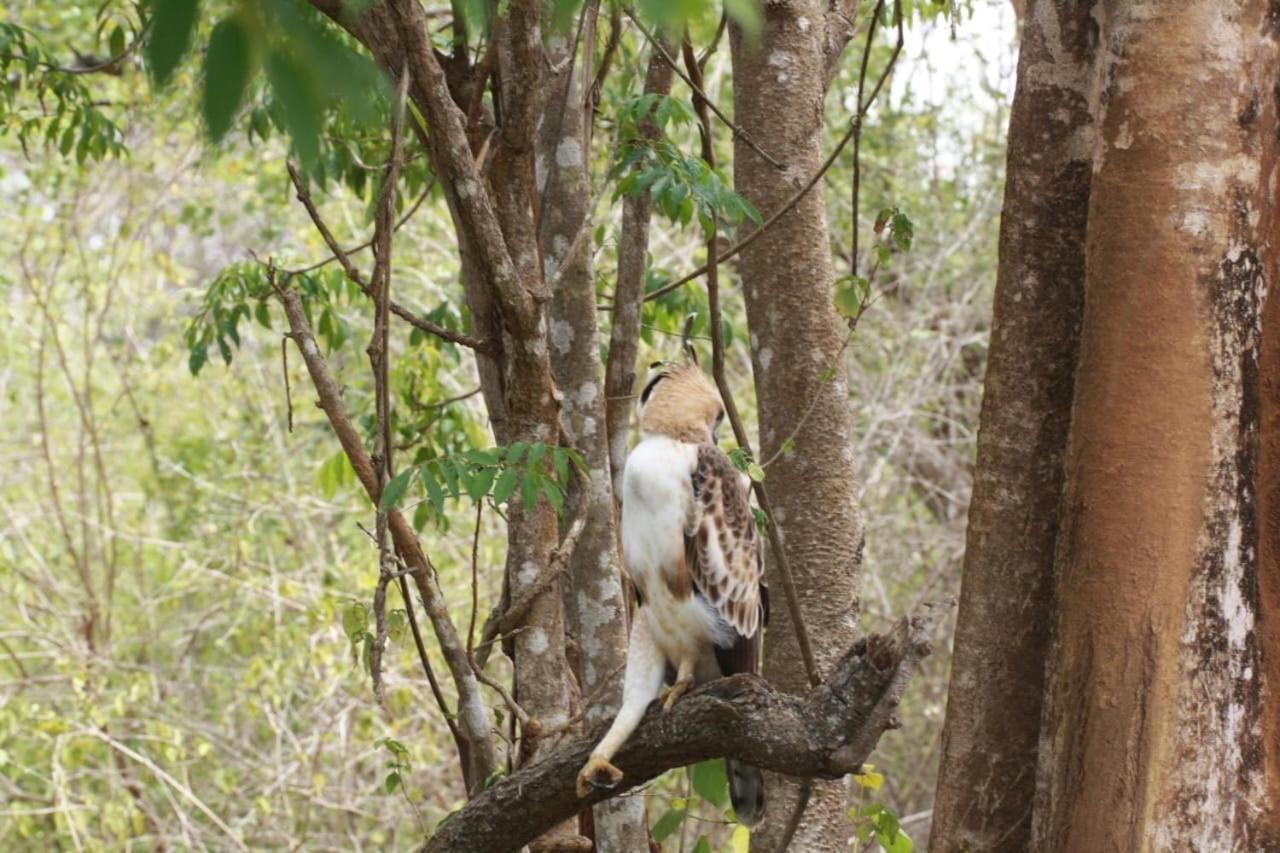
column 691, row 549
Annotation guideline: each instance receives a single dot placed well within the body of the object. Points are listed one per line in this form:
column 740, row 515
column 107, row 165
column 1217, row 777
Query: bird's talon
column 597, row 775
column 675, row 691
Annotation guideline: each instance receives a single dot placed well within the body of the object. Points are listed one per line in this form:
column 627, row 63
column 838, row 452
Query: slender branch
column 459, row 740
column 738, row 132
column 764, row 226
column 288, row 392
column 781, row 562
column 379, row 361
column 628, row 295
column 826, row 734
column 862, row 111
column 408, row 214
column 606, row 59
column 475, row 581
column 353, row 273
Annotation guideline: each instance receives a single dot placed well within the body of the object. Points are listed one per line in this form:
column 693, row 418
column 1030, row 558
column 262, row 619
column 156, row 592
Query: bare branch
column 379, row 361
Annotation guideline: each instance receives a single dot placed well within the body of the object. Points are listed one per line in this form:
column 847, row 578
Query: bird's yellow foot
column 675, row 691
column 597, row 774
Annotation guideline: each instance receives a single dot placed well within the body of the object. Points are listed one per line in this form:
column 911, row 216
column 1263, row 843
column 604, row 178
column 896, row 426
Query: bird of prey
column 691, row 549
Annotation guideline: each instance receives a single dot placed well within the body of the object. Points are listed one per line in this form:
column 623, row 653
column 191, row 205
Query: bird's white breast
column 657, row 499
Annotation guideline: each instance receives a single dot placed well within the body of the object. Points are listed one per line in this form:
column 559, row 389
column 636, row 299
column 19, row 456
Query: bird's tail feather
column 746, row 792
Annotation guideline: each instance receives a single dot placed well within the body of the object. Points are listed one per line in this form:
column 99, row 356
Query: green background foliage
column 184, row 656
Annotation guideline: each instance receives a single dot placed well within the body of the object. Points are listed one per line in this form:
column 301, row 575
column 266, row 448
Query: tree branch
column 826, row 734
column 353, row 272
column 473, row 712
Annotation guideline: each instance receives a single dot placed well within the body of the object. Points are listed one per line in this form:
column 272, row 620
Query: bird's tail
column 746, row 791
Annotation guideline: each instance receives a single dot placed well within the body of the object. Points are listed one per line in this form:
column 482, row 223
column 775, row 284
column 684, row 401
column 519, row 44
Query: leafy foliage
column 681, row 186
column 172, row 25
column 43, row 103
column 312, row 69
column 532, row 470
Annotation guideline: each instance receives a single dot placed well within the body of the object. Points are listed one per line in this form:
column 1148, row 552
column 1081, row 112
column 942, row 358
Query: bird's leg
column 684, row 682
column 645, row 667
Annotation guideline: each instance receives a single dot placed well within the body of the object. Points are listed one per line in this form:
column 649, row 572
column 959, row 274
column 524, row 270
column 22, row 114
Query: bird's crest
column 679, row 400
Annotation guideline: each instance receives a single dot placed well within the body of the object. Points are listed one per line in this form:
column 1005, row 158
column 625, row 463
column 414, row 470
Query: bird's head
column 680, row 401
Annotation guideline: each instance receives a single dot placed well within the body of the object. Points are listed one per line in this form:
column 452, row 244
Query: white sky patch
column 965, row 78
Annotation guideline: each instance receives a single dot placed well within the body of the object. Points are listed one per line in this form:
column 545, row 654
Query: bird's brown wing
column 725, row 564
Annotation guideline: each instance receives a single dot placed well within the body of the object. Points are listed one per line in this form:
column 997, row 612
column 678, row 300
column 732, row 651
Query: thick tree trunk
column 796, row 336
column 1153, row 733
column 989, row 742
column 596, row 605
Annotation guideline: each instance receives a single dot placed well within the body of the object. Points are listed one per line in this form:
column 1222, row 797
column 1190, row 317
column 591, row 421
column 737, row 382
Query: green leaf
column 116, row 43
column 560, row 457
column 553, row 493
column 199, row 355
column 710, row 781
column 536, row 452
column 529, row 492
column 354, row 619
column 449, row 469
column 226, row 75
column 300, row 110
column 395, row 489
column 755, row 472
column 506, row 486
column 478, row 486
column 171, row 25
column 899, row 843
column 515, row 451
column 668, row 824
column 434, row 492
column 703, row 845
column 392, row 782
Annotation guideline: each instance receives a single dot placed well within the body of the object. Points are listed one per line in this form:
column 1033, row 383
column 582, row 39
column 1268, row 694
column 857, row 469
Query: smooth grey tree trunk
column 596, row 606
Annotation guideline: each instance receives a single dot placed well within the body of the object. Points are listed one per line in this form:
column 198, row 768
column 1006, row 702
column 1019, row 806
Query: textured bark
column 827, row 733
column 628, row 294
column 796, row 336
column 596, row 605
column 1153, row 735
column 1268, row 492
column 990, row 738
